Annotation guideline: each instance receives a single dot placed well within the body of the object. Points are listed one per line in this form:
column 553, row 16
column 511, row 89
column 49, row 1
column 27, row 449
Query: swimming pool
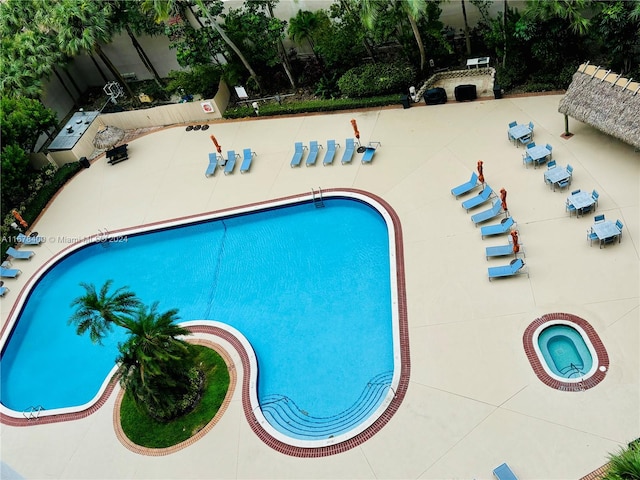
column 312, row 289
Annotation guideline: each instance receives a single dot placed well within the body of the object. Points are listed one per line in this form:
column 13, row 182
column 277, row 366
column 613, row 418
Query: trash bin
column 435, row 96
column 464, row 93
column 497, row 91
column 84, row 162
column 405, row 101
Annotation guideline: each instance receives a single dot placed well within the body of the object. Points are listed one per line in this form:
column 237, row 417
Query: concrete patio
column 473, row 401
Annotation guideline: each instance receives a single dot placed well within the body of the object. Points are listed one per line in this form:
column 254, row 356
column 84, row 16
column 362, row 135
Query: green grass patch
column 147, row 432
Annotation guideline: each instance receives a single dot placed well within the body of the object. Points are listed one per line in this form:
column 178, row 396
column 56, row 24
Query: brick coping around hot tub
column 529, row 348
column 377, row 424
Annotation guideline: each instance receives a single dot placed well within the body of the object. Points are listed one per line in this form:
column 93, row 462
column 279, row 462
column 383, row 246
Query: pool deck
column 473, row 400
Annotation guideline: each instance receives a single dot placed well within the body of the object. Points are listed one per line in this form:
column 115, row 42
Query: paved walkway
column 473, row 401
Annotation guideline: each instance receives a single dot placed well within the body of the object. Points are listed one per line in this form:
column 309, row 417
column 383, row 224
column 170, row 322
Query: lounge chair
column 331, row 152
column 466, row 187
column 494, row 211
column 247, row 156
column 20, row 254
column 9, row 272
column 515, row 267
column 502, row 250
column 213, row 163
column 231, row 162
column 350, row 147
column 314, row 148
column 370, row 151
column 297, row 155
column 28, row 240
column 479, row 199
column 503, row 227
column 3, row 290
column 503, row 472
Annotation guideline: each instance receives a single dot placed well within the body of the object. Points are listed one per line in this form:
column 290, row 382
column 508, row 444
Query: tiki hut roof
column 605, row 101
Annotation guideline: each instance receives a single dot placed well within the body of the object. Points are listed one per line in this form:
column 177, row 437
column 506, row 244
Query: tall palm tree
column 302, row 27
column 164, row 8
column 414, row 9
column 155, row 366
column 573, row 11
column 97, row 311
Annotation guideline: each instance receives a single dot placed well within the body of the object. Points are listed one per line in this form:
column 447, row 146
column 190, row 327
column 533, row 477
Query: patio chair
column 494, row 211
column 231, row 161
column 531, row 144
column 467, row 186
column 515, row 267
column 569, row 207
column 550, row 148
column 297, row 154
column 503, row 472
column 526, row 159
column 551, row 164
column 331, row 152
column 619, row 225
column 314, row 148
column 247, row 157
column 367, row 157
column 20, row 254
column 598, row 218
column 350, row 147
column 213, row 163
column 531, row 128
column 29, row 240
column 591, row 237
column 575, row 191
column 513, row 124
column 503, row 227
column 479, row 199
column 595, row 195
column 510, row 137
column 564, row 183
column 570, row 172
column 9, row 272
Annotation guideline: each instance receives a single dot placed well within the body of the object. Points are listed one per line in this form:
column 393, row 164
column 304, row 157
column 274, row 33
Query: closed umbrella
column 19, row 218
column 480, row 175
column 108, row 137
column 503, row 197
column 514, row 240
column 215, row 142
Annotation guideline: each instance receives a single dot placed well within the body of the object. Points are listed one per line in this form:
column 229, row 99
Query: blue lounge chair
column 246, row 160
column 479, row 199
column 3, row 290
column 314, row 148
column 350, row 147
column 20, row 254
column 370, row 151
column 213, row 163
column 515, row 267
column 231, row 162
column 297, row 155
column 502, row 250
column 9, row 272
column 466, row 187
column 331, row 152
column 503, row 227
column 503, row 472
column 28, row 240
column 494, row 211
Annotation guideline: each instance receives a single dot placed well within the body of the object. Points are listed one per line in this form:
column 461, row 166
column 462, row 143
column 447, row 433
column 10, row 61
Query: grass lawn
column 147, row 432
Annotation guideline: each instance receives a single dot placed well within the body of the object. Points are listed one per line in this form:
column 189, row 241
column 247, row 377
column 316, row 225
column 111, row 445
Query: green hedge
column 39, row 202
column 376, row 79
column 272, row 109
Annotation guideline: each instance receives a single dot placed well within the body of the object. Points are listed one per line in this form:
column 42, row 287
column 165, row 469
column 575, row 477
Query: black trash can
column 84, row 162
column 497, row 91
column 435, row 96
column 465, row 93
column 405, row 101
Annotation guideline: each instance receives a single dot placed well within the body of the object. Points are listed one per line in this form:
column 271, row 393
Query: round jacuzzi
column 565, row 352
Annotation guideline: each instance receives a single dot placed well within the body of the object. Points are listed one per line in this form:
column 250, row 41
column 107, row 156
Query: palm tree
column 164, row 8
column 302, row 27
column 572, row 11
column 97, row 311
column 414, row 10
column 155, row 367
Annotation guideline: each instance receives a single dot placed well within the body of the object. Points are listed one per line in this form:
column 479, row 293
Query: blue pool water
column 308, row 287
column 564, row 351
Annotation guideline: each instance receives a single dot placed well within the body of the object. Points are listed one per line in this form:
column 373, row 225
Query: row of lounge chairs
column 7, row 270
column 517, row 265
column 330, row 152
column 229, row 163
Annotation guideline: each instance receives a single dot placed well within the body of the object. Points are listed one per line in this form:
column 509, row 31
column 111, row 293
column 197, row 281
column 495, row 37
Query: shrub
column 376, row 79
column 201, row 80
column 624, row 465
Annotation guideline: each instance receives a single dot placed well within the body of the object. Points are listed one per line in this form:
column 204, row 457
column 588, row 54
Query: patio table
column 519, row 131
column 539, row 154
column 581, row 200
column 555, row 175
column 605, row 230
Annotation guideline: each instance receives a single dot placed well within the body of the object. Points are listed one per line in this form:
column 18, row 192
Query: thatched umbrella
column 108, row 137
column 613, row 108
